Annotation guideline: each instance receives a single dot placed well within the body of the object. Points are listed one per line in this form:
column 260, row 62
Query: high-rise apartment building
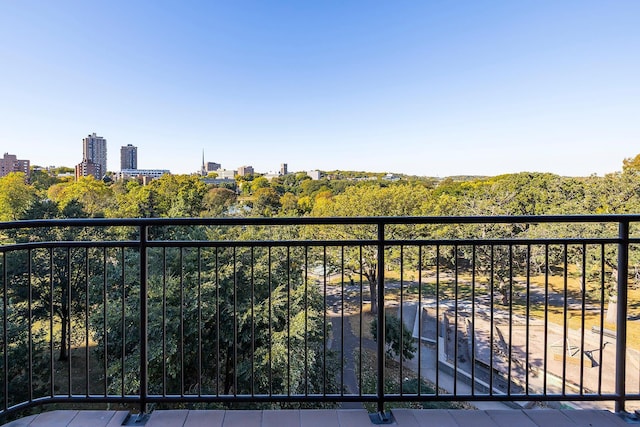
column 10, row 163
column 94, row 150
column 128, row 157
column 283, row 169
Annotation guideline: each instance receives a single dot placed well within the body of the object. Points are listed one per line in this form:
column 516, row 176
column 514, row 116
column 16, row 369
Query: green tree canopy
column 217, row 201
column 93, row 195
column 397, row 337
column 16, row 196
column 367, row 200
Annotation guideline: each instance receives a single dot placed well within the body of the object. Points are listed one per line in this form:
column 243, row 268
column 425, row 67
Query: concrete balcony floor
column 327, row 418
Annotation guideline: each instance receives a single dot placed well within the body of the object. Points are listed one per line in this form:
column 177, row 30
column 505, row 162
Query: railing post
column 621, row 320
column 381, row 322
column 144, row 236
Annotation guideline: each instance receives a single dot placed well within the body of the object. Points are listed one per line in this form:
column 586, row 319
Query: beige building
column 94, row 150
column 226, row 174
column 10, row 163
column 86, row 168
column 245, row 170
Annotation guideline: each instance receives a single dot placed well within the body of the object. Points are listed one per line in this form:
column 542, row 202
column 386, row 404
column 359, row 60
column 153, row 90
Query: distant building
column 10, row 163
column 128, row 157
column 283, row 169
column 87, row 167
column 94, row 150
column 213, row 167
column 219, row 181
column 142, row 173
column 315, row 174
column 225, row 174
column 245, row 170
column 208, row 167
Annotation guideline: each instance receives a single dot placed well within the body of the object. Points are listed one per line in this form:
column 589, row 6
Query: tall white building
column 315, row 174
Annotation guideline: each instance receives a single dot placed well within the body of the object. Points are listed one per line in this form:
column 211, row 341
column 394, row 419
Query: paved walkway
column 427, row 355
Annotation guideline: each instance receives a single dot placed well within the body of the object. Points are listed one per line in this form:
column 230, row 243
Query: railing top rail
column 498, row 219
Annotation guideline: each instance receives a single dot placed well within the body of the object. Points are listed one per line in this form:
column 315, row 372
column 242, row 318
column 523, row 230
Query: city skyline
column 430, row 89
column 129, row 157
column 94, row 151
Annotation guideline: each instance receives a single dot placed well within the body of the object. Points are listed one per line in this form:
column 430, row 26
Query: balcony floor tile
column 283, row 418
column 509, row 418
column 242, row 419
column 171, row 418
column 55, row 419
column 319, row 418
column 202, row 418
column 424, row 418
column 329, row 418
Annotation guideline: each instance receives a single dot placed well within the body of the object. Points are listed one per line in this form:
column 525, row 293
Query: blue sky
column 434, row 88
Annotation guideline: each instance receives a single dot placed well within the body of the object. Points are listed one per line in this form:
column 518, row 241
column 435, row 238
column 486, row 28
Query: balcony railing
column 279, row 311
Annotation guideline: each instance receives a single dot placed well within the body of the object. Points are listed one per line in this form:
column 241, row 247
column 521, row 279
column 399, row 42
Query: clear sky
column 425, row 87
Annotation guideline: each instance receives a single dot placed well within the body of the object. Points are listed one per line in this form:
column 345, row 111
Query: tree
column 187, row 200
column 367, row 200
column 397, row 337
column 42, row 209
column 289, row 203
column 312, row 187
column 631, row 165
column 221, row 321
column 27, row 353
column 266, row 202
column 217, row 201
column 93, row 195
column 258, row 183
column 167, row 196
column 291, row 183
column 42, row 179
column 16, row 196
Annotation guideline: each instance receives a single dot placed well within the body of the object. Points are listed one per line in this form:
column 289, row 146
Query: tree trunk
column 63, row 340
column 505, row 291
column 373, row 290
column 63, row 312
column 228, row 373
